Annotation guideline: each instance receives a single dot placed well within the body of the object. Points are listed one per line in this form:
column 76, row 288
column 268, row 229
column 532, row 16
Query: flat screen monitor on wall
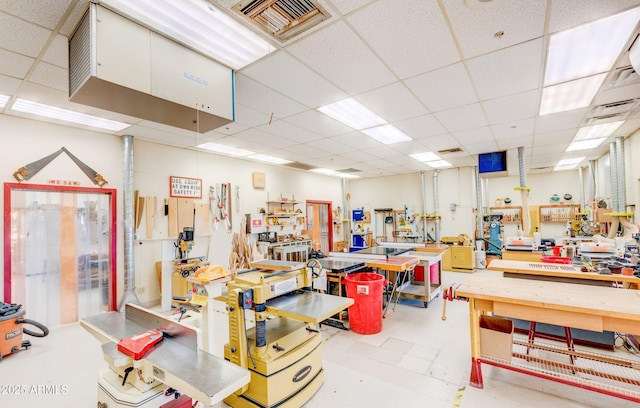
column 492, row 164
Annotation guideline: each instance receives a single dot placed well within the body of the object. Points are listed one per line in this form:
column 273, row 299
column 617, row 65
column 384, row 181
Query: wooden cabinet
column 559, row 213
column 459, row 258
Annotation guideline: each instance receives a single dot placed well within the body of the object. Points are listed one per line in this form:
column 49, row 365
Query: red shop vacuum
column 12, row 326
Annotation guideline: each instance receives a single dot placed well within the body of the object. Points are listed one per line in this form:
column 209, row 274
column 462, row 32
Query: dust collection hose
column 44, row 331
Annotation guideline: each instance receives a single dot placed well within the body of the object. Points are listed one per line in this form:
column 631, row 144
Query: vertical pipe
column 622, row 196
column 526, row 225
column 424, row 206
column 436, row 205
column 581, row 182
column 591, row 187
column 487, row 205
column 479, row 217
column 345, row 213
column 613, row 176
column 127, row 196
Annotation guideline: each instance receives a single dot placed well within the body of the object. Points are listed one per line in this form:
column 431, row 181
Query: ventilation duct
column 424, row 206
column 282, row 19
column 436, row 206
column 524, row 191
column 128, row 195
column 118, row 65
column 479, row 213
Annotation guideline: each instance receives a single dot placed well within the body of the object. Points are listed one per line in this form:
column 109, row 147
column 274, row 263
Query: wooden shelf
column 511, row 214
column 559, row 213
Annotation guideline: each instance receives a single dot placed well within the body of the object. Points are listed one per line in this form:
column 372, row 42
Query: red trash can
column 365, row 315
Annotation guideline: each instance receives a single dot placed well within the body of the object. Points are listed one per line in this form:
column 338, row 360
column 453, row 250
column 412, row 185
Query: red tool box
column 137, row 346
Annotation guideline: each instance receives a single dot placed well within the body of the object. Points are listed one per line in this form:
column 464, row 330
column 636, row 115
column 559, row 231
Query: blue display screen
column 492, row 162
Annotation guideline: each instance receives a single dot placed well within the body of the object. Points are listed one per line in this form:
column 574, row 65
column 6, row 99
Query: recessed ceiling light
column 52, row 112
column 585, row 144
column 268, row 159
column 570, row 95
column 352, row 113
column 597, row 131
column 334, row 173
column 425, row 156
column 438, row 164
column 3, row 100
column 234, row 151
column 568, row 164
column 199, row 25
column 387, row 134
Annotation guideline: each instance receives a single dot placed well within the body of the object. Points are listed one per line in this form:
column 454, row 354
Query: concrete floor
column 417, row 360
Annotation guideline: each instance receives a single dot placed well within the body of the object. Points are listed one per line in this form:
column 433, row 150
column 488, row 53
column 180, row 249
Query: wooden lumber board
column 172, row 228
column 185, row 213
column 275, row 265
column 68, row 259
column 393, row 263
column 149, row 218
column 598, row 300
column 202, row 220
column 436, row 248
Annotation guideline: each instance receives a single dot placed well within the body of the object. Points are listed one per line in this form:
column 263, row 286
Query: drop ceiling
column 434, row 69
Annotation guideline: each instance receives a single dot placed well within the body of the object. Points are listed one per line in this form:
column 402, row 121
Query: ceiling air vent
column 300, row 166
column 541, row 169
column 453, row 150
column 282, row 19
column 623, row 76
column 614, row 108
column 598, row 120
column 349, row 170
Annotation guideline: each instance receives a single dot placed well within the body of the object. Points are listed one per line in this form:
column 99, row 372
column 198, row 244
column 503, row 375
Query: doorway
column 319, row 221
column 60, row 251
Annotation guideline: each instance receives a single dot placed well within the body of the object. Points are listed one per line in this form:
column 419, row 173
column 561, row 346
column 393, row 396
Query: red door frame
column 9, row 187
column 330, row 218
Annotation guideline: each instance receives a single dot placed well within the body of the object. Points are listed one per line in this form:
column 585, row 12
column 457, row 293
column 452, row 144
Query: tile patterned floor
column 417, row 360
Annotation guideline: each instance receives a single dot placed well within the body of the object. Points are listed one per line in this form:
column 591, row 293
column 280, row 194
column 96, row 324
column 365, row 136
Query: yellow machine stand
column 283, row 352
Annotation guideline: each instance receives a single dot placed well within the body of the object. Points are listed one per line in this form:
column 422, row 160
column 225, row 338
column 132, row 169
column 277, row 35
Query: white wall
column 25, row 141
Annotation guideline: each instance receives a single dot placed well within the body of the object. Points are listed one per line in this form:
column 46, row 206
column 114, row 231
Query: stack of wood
column 243, row 253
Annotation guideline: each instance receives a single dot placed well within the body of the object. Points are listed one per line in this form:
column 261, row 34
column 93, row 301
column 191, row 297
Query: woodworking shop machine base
column 283, row 351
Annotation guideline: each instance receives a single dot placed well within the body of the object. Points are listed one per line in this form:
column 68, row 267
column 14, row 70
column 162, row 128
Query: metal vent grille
column 300, row 166
column 282, row 19
column 623, row 76
column 349, row 170
column 80, row 54
column 453, row 150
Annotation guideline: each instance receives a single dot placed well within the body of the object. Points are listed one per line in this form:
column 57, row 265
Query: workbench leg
column 474, row 330
column 475, row 379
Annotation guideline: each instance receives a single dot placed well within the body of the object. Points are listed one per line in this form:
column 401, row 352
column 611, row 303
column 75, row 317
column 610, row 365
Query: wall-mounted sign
column 57, row 182
column 185, row 187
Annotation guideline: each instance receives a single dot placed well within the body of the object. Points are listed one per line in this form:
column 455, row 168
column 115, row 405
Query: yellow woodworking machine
column 283, row 352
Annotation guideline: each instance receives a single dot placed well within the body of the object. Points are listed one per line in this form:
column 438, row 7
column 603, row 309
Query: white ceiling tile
column 336, row 53
column 47, row 15
column 287, row 130
column 443, row 89
column 383, row 152
column 554, row 138
column 421, row 127
column 263, row 138
column 359, row 156
column 249, row 145
column 435, row 144
column 290, row 77
column 392, row 102
column 474, row 136
column 520, row 20
column 74, row 17
column 462, row 118
column 512, row 70
column 14, row 65
column 231, row 128
column 345, row 7
column 8, row 84
column 565, row 14
column 512, row 108
column 330, row 146
column 315, row 121
column 162, row 136
column 515, row 142
column 485, row 147
column 558, row 121
column 22, row 37
column 263, row 99
column 463, row 161
column 51, row 75
column 514, row 129
column 356, row 141
column 304, row 151
column 249, row 117
column 408, row 147
column 58, row 52
column 386, row 24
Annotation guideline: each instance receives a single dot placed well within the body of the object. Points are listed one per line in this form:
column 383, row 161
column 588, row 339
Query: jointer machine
column 283, row 351
column 277, row 362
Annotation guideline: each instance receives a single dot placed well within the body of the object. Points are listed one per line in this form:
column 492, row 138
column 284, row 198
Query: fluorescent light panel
column 387, row 134
column 585, row 144
column 438, row 164
column 352, row 113
column 570, row 95
column 199, row 25
column 568, row 164
column 218, row 148
column 329, row 172
column 588, row 49
column 597, row 131
column 425, row 157
column 268, row 159
column 51, row 112
column 3, row 100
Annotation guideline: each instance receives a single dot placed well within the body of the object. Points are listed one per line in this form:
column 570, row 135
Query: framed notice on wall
column 185, row 187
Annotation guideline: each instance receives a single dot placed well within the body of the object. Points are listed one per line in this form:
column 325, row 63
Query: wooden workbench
column 559, row 273
column 580, row 306
column 393, row 263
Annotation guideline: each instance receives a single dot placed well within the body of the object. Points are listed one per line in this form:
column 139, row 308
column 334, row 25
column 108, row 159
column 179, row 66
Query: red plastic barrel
column 365, row 315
